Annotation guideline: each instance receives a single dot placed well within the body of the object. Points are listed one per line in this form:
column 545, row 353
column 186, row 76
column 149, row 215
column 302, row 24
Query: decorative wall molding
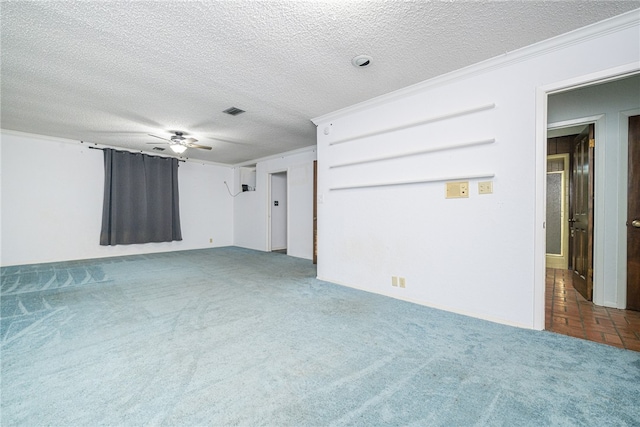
column 416, row 181
column 415, row 153
column 433, row 119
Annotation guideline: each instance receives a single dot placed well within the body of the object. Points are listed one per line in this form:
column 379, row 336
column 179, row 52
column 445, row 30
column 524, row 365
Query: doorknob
column 636, row 223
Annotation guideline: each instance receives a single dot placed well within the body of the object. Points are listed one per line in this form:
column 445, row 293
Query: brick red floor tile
column 632, row 345
column 612, row 338
column 604, row 322
column 568, row 313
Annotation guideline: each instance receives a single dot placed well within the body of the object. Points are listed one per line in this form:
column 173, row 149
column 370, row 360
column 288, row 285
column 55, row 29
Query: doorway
column 569, row 208
column 278, row 214
column 603, row 98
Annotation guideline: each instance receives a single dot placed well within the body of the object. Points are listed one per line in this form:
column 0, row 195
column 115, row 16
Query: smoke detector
column 361, row 61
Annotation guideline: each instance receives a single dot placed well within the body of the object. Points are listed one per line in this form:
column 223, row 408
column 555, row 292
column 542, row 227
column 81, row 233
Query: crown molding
column 38, row 136
column 310, row 148
column 598, row 29
column 82, row 144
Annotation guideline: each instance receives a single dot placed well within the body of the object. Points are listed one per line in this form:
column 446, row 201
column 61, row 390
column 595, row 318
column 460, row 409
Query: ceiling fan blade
column 159, row 137
column 203, row 147
column 190, row 140
column 158, row 143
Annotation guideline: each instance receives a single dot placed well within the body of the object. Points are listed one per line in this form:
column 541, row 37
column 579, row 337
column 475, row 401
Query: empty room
column 320, row 213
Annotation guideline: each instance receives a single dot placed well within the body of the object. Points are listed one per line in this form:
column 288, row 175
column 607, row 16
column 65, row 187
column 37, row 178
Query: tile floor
column 568, row 313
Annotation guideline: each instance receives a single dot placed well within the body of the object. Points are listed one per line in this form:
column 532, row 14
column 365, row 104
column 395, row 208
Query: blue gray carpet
column 235, row 337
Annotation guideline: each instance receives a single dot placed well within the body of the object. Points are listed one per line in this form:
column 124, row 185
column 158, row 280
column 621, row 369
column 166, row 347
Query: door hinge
column 592, row 143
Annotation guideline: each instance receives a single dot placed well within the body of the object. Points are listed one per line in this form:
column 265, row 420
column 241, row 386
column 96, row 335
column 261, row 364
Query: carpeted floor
column 230, row 336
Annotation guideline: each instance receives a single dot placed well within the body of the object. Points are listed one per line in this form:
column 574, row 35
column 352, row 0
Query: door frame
column 268, row 201
column 541, row 126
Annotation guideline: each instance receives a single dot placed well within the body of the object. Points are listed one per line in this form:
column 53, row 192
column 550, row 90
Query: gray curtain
column 140, row 199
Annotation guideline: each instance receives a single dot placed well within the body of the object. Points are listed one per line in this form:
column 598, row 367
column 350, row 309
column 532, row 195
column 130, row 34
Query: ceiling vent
column 233, row 111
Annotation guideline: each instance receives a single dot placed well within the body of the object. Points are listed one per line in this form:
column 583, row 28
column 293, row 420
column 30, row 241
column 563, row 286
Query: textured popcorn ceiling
column 112, row 72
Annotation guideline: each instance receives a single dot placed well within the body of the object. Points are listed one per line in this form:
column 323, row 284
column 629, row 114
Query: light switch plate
column 457, row 190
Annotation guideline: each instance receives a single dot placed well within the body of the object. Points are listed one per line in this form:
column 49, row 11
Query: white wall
column 610, row 104
column 252, row 207
column 482, row 256
column 52, row 194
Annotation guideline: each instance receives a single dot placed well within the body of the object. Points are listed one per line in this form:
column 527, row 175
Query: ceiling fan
column 178, row 143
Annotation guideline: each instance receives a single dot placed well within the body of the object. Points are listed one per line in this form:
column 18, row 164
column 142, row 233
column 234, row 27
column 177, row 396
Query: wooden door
column 581, row 206
column 315, row 211
column 633, row 216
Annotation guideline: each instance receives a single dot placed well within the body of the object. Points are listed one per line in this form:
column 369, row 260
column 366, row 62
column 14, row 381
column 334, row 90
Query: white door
column 278, row 211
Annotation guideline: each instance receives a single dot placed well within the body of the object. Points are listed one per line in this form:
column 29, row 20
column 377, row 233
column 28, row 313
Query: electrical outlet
column 485, row 187
column 394, row 280
column 403, row 282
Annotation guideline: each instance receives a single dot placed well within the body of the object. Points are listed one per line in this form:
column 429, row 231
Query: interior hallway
column 568, row 313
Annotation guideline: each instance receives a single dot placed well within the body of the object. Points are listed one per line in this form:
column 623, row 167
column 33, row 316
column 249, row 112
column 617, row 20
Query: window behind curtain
column 140, row 199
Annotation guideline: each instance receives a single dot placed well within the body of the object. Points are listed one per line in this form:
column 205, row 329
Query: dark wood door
column 633, row 216
column 581, row 208
column 315, row 211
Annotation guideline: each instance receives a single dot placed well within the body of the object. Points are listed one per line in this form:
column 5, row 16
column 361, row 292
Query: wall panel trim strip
column 416, row 181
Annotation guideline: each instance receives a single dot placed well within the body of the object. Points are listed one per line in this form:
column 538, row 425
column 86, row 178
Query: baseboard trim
column 493, row 319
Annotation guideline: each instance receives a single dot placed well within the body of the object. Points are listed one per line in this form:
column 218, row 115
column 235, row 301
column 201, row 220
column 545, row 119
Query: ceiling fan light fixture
column 177, row 148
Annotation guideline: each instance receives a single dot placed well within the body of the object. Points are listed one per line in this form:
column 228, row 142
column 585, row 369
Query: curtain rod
column 164, row 157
